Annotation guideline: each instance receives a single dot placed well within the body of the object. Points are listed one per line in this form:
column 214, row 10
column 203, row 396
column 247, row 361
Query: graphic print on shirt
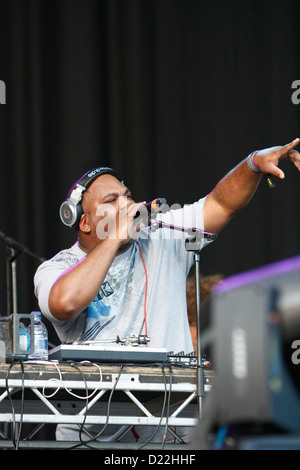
column 108, row 313
column 94, row 312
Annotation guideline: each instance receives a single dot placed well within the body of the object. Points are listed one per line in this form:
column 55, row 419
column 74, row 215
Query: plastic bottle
column 40, row 339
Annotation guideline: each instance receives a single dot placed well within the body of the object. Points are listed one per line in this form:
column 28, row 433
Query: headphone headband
column 93, row 174
column 71, row 210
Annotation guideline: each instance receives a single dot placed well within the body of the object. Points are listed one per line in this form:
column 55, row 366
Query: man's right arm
column 76, row 288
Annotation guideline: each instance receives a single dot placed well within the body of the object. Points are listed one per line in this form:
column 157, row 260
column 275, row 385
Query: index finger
column 289, row 146
column 134, row 208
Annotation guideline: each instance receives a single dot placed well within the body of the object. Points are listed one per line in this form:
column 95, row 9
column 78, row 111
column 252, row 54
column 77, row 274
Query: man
column 120, row 278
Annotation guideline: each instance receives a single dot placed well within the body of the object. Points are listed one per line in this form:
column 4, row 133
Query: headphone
column 71, row 210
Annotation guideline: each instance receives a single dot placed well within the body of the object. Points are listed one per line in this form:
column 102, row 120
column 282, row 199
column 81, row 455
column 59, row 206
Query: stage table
column 90, row 393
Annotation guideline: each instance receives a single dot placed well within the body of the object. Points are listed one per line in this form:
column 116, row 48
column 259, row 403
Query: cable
column 86, row 443
column 81, row 429
column 60, row 383
column 15, row 439
column 109, row 403
column 86, row 397
column 168, row 408
column 162, row 412
column 146, row 289
column 13, row 426
column 22, row 403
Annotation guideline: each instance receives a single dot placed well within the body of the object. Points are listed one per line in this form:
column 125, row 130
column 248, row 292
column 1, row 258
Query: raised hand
column 267, row 160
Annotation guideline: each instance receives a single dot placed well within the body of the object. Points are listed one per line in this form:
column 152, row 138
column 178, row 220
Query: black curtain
column 172, row 93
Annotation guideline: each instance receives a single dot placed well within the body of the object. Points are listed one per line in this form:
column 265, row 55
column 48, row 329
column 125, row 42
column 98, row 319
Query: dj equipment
column 256, row 318
column 99, row 353
column 71, row 210
column 187, row 360
column 108, row 354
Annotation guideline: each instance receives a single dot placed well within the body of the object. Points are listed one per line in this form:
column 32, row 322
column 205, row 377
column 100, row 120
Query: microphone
column 156, row 204
column 150, row 208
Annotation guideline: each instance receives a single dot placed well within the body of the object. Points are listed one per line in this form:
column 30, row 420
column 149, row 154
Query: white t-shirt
column 161, row 258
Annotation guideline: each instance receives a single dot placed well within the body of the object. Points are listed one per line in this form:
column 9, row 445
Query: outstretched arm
column 237, row 188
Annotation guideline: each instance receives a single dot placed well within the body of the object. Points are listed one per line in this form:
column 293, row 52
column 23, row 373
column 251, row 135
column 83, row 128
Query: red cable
column 146, row 288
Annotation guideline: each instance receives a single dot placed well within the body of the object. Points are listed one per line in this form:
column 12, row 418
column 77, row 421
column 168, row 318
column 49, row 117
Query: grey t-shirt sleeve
column 189, row 217
column 49, row 271
column 44, row 279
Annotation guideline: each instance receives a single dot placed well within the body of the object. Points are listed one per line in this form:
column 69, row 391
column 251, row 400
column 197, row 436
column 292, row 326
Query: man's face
column 105, row 205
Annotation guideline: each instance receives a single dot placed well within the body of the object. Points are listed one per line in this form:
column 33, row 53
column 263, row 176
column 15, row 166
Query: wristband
column 255, row 168
column 251, row 163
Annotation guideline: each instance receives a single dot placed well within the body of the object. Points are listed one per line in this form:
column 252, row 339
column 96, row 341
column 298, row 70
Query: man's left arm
column 237, row 188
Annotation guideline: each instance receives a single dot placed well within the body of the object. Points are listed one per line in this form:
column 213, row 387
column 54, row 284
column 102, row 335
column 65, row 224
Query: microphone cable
column 146, row 290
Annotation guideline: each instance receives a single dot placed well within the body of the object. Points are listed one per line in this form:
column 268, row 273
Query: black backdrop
column 172, row 93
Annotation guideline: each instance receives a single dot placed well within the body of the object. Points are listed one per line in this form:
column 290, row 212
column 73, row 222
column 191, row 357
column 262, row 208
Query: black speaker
column 256, row 321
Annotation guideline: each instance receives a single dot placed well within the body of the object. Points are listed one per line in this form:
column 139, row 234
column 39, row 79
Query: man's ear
column 84, row 223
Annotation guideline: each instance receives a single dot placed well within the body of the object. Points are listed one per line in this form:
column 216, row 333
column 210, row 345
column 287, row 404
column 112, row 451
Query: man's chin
column 125, row 246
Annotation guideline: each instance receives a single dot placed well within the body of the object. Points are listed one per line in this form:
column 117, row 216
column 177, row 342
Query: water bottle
column 40, row 339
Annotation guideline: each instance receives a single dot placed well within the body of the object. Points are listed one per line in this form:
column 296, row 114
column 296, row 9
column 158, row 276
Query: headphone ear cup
column 70, row 213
